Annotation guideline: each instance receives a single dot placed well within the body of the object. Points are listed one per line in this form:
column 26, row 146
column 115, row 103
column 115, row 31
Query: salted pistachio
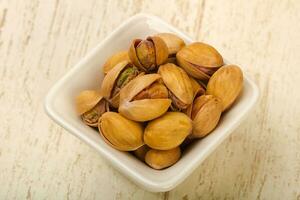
column 226, row 84
column 148, row 54
column 173, row 42
column 144, row 98
column 91, row 105
column 140, row 153
column 206, row 113
column 114, row 60
column 116, row 79
column 179, row 85
column 160, row 159
column 199, row 60
column 167, row 131
column 119, row 132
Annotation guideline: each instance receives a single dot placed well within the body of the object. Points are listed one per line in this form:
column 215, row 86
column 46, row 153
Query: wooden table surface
column 40, row 40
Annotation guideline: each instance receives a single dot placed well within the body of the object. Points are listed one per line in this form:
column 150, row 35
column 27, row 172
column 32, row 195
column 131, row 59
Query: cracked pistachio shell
column 226, row 84
column 119, row 132
column 109, row 81
column 140, row 153
column 148, row 54
column 177, row 81
column 144, row 109
column 206, row 113
column 199, row 60
column 114, row 60
column 167, row 131
column 160, row 159
column 86, row 100
column 173, row 42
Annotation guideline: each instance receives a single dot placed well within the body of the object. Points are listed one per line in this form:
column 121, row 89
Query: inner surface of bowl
column 88, row 75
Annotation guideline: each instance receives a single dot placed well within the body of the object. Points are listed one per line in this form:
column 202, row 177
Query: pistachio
column 114, row 60
column 167, row 131
column 160, row 159
column 116, row 79
column 179, row 85
column 140, row 153
column 119, row 132
column 144, row 98
column 148, row 54
column 173, row 42
column 206, row 113
column 199, row 60
column 226, row 84
column 90, row 105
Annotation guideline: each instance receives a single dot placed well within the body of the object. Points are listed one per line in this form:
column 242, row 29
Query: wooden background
column 40, row 40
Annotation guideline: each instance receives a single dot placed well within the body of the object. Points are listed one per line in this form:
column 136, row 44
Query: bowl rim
column 127, row 171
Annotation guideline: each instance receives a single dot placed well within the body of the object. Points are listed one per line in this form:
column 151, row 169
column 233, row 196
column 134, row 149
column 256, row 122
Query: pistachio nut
column 167, row 131
column 179, row 85
column 226, row 84
column 144, row 98
column 119, row 132
column 140, row 153
column 116, row 79
column 206, row 113
column 160, row 159
column 148, row 54
column 114, row 60
column 91, row 105
column 199, row 60
column 173, row 42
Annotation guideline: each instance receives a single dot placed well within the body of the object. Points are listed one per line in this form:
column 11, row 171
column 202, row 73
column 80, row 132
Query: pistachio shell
column 167, row 131
column 110, row 79
column 158, row 159
column 140, row 153
column 86, row 100
column 206, row 114
column 144, row 109
column 92, row 116
column 177, row 81
column 161, row 50
column 199, row 60
column 119, row 132
column 173, row 42
column 114, row 60
column 141, row 53
column 133, row 56
column 115, row 80
column 226, row 84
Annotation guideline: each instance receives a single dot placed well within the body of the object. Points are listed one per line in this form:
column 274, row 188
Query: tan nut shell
column 114, row 60
column 161, row 51
column 145, row 109
column 177, row 81
column 86, row 100
column 109, row 82
column 199, row 55
column 226, row 84
column 206, row 113
column 167, row 131
column 173, row 42
column 119, row 132
column 158, row 159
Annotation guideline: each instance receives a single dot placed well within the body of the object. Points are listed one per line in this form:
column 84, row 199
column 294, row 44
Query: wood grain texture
column 40, row 40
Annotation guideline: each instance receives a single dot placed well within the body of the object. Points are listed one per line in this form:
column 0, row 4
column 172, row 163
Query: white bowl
column 87, row 74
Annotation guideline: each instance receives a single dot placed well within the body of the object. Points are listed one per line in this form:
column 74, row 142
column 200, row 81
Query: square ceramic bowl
column 87, row 74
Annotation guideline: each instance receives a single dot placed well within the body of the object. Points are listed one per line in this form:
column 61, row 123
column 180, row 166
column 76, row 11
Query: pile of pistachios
column 159, row 94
